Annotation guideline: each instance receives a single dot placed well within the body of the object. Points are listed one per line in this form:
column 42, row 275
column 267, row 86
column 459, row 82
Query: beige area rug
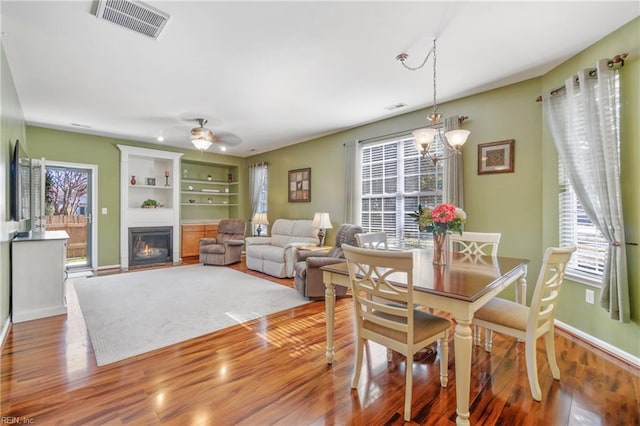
column 130, row 314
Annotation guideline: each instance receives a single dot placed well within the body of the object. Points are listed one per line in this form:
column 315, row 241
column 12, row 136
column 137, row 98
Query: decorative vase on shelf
column 133, row 180
column 439, row 248
column 229, row 178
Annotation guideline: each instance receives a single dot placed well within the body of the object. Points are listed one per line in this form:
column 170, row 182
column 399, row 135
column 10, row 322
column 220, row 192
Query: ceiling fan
column 201, row 137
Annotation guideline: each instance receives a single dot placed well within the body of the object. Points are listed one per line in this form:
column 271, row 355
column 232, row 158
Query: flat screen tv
column 20, row 185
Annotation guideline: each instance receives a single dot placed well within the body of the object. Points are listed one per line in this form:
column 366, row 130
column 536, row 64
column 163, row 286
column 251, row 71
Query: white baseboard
column 604, row 346
column 5, row 332
column 101, row 268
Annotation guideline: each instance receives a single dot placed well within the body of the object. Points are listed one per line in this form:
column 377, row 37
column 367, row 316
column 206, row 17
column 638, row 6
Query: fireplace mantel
column 149, row 167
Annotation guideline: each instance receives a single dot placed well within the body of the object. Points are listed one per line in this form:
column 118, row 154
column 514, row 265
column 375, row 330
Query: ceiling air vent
column 133, row 15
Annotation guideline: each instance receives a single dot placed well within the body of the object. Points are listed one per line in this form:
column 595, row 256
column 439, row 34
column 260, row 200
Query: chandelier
column 452, row 140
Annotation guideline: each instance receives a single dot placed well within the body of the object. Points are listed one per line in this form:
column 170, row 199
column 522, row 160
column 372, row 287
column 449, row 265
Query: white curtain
column 584, row 121
column 453, row 170
column 352, row 182
column 257, row 174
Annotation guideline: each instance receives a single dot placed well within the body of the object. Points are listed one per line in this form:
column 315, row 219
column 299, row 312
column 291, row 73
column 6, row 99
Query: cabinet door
column 210, row 231
column 191, row 235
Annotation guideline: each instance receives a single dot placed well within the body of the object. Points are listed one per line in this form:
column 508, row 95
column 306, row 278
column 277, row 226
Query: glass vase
column 439, row 248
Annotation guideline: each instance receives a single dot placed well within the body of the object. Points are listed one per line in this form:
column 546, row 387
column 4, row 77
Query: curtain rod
column 618, row 59
column 461, row 118
column 264, row 163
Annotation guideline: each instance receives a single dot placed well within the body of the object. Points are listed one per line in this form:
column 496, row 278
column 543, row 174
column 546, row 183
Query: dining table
column 460, row 287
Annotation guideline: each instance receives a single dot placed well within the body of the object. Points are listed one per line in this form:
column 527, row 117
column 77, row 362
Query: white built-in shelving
column 150, row 167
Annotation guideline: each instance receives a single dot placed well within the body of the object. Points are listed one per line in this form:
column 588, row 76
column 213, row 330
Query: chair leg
column 532, row 366
column 551, row 354
column 408, row 387
column 488, row 337
column 356, row 372
column 444, row 360
column 477, row 335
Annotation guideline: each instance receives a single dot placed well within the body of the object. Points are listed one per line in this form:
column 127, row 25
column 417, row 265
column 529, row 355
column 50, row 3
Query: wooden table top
column 464, row 277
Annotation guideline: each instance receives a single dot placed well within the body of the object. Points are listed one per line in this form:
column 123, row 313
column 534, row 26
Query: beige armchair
column 226, row 248
column 308, row 276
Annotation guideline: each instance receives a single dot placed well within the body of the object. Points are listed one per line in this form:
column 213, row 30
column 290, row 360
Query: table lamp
column 260, row 219
column 321, row 221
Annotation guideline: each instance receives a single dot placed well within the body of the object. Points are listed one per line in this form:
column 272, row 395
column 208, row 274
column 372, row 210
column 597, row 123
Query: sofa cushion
column 273, row 253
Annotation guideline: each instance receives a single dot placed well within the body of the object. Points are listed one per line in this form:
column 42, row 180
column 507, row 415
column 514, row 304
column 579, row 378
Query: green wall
column 573, row 310
column 57, row 145
column 11, row 128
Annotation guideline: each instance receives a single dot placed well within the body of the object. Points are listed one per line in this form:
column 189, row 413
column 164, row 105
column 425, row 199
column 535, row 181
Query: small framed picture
column 151, row 181
column 300, row 185
column 496, row 157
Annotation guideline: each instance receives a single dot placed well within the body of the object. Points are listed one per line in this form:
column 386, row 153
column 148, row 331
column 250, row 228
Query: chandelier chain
column 435, row 104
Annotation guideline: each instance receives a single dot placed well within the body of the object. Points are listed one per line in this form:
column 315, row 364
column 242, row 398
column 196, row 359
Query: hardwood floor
column 273, row 371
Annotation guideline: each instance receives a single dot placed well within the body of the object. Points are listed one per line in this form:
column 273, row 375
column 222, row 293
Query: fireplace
column 150, row 245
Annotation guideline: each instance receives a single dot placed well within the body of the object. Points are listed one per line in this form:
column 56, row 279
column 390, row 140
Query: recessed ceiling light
column 160, row 139
column 223, row 148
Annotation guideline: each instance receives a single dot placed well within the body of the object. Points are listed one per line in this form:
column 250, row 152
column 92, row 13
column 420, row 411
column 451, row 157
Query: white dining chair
column 385, row 312
column 476, row 243
column 484, row 243
column 529, row 323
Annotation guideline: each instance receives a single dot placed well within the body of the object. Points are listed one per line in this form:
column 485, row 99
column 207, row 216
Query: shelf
column 208, row 204
column 209, row 182
column 151, row 186
column 213, row 194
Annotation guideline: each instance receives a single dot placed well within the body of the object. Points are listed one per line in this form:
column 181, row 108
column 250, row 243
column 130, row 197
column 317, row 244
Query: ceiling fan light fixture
column 201, row 144
column 201, row 137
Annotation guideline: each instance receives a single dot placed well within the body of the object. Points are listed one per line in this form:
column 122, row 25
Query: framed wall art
column 150, row 181
column 300, row 185
column 496, row 157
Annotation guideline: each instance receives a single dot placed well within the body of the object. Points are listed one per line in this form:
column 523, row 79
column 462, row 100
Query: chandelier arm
column 403, row 57
column 435, row 159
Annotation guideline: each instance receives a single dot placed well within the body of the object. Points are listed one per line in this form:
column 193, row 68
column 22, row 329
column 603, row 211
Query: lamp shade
column 260, row 219
column 201, row 144
column 457, row 137
column 321, row 220
column 423, row 138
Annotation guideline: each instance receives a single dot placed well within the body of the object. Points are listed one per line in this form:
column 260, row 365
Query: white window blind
column 395, row 179
column 587, row 263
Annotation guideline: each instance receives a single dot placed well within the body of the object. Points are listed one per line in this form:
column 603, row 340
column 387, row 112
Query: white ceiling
column 270, row 74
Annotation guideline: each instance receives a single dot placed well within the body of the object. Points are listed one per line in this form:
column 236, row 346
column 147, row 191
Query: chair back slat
column 547, row 290
column 373, row 240
column 477, row 243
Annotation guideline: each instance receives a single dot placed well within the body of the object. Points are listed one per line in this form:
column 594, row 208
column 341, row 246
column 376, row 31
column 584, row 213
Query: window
column 587, row 263
column 395, row 179
column 259, row 177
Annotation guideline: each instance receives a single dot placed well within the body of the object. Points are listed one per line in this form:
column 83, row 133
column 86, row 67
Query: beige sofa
column 275, row 255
